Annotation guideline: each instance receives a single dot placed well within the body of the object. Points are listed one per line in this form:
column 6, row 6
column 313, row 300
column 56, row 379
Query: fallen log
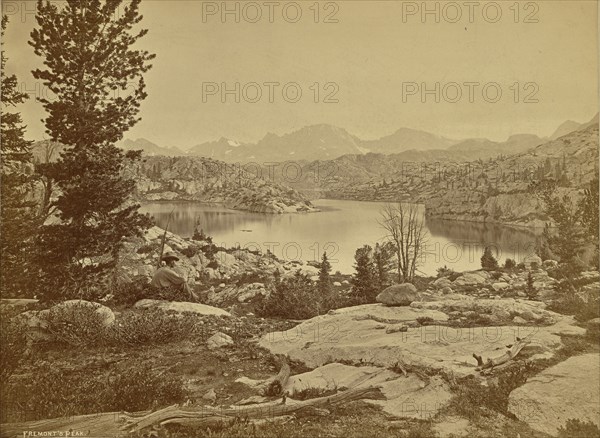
column 273, row 386
column 206, row 416
column 114, row 424
column 510, row 354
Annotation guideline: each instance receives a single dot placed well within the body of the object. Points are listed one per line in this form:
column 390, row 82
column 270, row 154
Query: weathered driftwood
column 273, row 386
column 113, row 424
column 212, row 416
column 510, row 354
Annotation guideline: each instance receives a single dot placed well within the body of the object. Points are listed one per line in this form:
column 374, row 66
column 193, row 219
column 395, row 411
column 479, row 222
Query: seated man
column 166, row 276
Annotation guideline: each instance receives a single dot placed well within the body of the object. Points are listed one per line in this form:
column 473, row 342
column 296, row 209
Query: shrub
column 510, row 264
column 472, row 396
column 199, row 235
column 77, row 325
column 572, row 303
column 575, row 428
column 147, row 249
column 13, row 344
column 152, row 326
column 65, row 393
column 521, row 266
column 296, row 298
column 496, row 275
column 424, row 320
column 143, row 388
column 190, row 251
column 488, row 261
column 82, row 326
column 314, row 392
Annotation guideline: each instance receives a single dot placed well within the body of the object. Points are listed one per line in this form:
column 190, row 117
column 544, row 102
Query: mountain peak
column 565, row 128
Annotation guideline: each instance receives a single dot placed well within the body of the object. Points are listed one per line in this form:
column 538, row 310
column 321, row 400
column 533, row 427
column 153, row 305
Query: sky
column 457, row 69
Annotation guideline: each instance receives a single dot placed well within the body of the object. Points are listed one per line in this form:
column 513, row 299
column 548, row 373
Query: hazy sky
column 376, row 60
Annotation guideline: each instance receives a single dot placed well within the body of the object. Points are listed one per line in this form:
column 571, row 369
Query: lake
column 339, row 229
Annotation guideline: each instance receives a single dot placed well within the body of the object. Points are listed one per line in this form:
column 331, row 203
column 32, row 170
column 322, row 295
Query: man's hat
column 170, row 256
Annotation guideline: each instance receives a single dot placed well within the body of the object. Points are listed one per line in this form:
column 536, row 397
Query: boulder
column 181, row 307
column 249, row 291
column 568, row 390
column 337, row 284
column 398, row 295
column 501, row 285
column 219, row 340
column 476, row 278
column 225, row 260
column 210, row 395
column 446, row 290
column 442, row 282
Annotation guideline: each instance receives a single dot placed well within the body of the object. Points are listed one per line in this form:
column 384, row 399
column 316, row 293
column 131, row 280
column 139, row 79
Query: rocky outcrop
column 569, row 390
column 356, row 335
column 206, row 180
column 181, row 307
column 405, row 396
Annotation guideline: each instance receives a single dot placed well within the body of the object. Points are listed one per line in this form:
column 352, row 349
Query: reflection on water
column 339, row 229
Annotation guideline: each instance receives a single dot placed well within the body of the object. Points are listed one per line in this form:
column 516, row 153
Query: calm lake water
column 339, row 229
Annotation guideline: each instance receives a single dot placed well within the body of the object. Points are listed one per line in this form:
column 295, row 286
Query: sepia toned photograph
column 297, row 219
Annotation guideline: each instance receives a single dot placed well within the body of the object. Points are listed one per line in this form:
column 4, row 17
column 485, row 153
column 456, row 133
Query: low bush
column 82, row 326
column 190, row 251
column 575, row 428
column 13, row 345
column 77, row 325
column 297, row 298
column 61, row 393
column 473, row 399
column 510, row 264
column 582, row 307
column 152, row 326
column 425, row 320
column 314, row 392
column 148, row 248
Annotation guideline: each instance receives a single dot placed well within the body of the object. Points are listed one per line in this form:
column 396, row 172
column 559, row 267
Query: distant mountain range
column 327, row 142
column 455, row 185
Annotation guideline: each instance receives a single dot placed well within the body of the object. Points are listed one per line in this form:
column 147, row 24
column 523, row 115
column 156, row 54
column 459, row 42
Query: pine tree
column 383, row 264
column 18, row 207
column 488, row 261
column 324, row 283
column 88, row 59
column 364, row 281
